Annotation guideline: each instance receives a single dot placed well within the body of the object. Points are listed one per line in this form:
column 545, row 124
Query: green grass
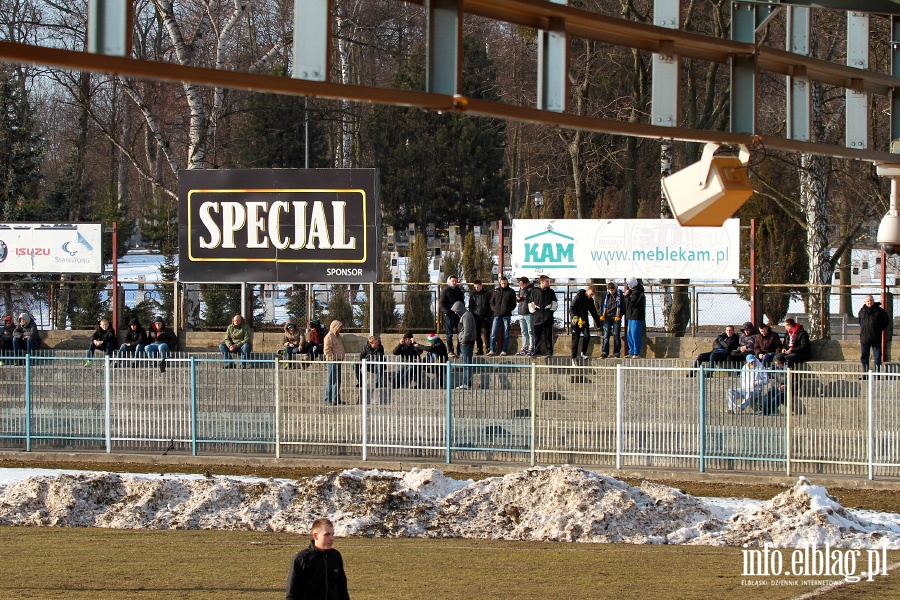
column 101, row 563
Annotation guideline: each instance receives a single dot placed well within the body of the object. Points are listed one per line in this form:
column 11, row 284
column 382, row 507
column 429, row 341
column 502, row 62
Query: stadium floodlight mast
column 889, row 229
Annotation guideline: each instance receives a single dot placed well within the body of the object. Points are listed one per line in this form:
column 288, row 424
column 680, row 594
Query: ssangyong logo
column 549, row 249
column 3, row 251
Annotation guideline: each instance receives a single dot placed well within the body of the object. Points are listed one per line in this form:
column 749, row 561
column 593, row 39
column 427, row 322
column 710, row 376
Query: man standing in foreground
column 318, row 571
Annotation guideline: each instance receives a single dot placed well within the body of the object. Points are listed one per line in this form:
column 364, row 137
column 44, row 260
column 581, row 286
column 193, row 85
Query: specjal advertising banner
column 278, row 225
column 50, row 248
column 620, row 248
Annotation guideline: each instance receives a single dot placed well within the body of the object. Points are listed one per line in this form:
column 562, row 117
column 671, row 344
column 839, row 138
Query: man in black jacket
column 873, row 320
column 503, row 301
column 542, row 304
column 480, row 307
column 317, row 573
column 103, row 339
column 583, row 306
column 450, row 296
column 724, row 344
column 162, row 340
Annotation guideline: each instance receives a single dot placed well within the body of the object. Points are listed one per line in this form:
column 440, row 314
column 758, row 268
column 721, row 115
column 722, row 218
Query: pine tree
column 21, row 149
column 418, row 313
column 339, row 307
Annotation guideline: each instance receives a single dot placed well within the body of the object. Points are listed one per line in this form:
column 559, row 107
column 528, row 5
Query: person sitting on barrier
column 437, row 355
column 162, row 340
column 372, row 351
column 26, row 335
column 409, row 352
column 723, row 346
column 135, row 340
column 6, row 337
column 238, row 340
column 753, row 380
column 294, row 341
column 745, row 344
column 766, row 345
column 795, row 347
column 103, row 339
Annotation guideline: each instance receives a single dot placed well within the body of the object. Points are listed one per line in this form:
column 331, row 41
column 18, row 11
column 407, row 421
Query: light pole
column 538, row 202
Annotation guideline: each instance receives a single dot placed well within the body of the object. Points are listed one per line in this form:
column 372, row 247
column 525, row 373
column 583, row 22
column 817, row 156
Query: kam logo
column 553, row 249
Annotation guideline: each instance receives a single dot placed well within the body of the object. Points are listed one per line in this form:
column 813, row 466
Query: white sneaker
column 503, row 354
column 462, row 387
column 491, row 353
column 583, row 356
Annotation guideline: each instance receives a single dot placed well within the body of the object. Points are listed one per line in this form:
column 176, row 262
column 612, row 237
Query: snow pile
column 805, row 513
column 545, row 503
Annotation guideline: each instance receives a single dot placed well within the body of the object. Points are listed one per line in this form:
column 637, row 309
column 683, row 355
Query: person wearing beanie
column 436, row 355
column 26, row 335
column 408, row 351
column 746, row 342
column 612, row 309
column 162, row 340
column 9, row 325
column 635, row 315
column 135, row 340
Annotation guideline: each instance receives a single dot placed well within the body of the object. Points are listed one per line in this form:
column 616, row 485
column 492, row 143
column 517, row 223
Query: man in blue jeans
column 238, row 340
column 526, row 323
column 611, row 311
column 467, row 333
column 450, row 296
column 503, row 301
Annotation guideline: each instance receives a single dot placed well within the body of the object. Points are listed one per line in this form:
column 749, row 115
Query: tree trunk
column 813, row 197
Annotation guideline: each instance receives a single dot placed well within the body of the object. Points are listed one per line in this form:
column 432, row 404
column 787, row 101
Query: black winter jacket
column 480, row 303
column 800, row 346
column 136, row 336
column 726, row 342
column 582, row 306
column 449, row 297
column 872, row 322
column 503, row 301
column 523, row 298
column 317, row 575
column 107, row 336
column 636, row 304
column 544, row 300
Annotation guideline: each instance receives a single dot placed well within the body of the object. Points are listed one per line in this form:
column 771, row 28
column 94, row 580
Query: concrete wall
column 270, row 341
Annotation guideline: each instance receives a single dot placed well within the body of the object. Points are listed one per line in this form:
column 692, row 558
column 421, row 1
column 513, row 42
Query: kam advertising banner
column 50, row 248
column 620, row 248
column 278, row 225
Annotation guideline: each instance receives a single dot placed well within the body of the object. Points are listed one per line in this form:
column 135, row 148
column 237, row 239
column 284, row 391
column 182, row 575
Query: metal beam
column 130, row 67
column 857, row 101
column 743, row 70
column 110, row 27
column 665, row 107
column 443, row 73
column 884, row 7
column 798, row 92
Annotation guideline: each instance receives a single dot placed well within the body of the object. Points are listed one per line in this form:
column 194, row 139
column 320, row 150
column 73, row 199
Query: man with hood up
column 135, row 340
column 635, row 315
column 162, row 340
column 294, row 341
column 9, row 325
column 26, row 335
column 334, row 353
column 468, row 330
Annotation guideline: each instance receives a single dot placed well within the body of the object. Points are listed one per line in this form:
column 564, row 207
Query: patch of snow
column 563, row 503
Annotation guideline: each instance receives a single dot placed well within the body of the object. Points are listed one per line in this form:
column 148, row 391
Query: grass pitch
column 91, row 563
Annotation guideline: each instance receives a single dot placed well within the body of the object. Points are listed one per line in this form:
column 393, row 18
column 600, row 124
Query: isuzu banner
column 620, row 248
column 278, row 225
column 50, row 248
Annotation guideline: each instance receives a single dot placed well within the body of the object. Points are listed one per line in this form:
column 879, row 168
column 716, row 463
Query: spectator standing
column 795, row 346
column 103, row 339
column 526, row 322
column 162, row 339
column 766, row 345
column 238, row 340
column 26, row 335
column 450, row 296
column 746, row 343
column 543, row 304
column 635, row 315
column 409, row 352
column 480, row 307
column 611, row 310
column 503, row 301
column 583, row 306
column 334, row 353
column 873, row 320
column 372, row 351
column 318, row 571
column 6, row 338
column 294, row 341
column 135, row 340
column 724, row 344
column 467, row 333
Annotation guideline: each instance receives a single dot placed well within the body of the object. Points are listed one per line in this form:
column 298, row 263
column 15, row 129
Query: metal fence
column 647, row 413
